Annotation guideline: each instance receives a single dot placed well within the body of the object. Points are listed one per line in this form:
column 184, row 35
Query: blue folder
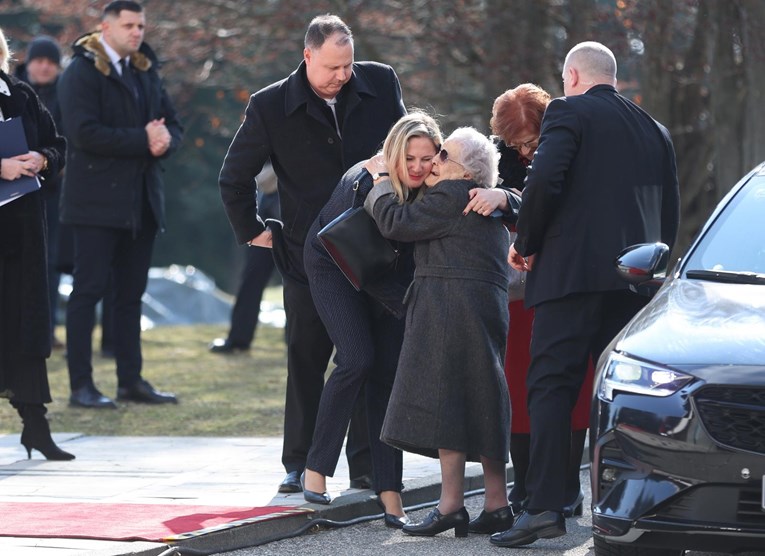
column 13, row 141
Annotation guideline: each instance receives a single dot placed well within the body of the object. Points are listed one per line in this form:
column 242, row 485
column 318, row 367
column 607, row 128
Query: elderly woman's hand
column 485, row 201
column 376, row 165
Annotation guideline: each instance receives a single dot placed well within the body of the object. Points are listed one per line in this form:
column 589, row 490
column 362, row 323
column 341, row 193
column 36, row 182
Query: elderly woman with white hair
column 450, row 397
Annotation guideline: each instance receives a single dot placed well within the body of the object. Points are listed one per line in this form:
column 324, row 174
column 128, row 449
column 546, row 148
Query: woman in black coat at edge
column 367, row 326
column 24, row 307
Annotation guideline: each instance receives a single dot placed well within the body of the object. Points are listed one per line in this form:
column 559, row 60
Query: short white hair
column 479, row 155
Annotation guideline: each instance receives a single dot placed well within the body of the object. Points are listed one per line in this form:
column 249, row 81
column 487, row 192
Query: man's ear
column 573, row 77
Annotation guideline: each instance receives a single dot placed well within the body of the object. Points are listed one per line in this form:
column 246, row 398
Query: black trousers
column 565, row 333
column 99, row 253
column 257, row 271
column 308, row 352
column 367, row 342
column 255, row 276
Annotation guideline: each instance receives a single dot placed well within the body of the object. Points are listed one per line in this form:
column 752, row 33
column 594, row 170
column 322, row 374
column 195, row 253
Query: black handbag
column 356, row 245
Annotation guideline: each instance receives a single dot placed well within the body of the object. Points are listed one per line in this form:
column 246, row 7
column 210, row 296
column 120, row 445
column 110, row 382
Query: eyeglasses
column 528, row 145
column 443, row 156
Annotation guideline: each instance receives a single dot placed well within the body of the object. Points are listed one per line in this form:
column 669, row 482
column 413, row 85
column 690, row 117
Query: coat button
column 330, row 140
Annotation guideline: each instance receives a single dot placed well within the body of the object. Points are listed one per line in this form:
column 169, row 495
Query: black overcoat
column 109, row 165
column 23, row 236
column 283, row 122
column 588, row 195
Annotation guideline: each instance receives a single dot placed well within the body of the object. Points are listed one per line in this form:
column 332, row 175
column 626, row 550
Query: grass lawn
column 234, row 395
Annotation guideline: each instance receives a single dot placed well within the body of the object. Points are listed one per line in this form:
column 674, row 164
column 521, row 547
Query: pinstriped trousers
column 367, row 341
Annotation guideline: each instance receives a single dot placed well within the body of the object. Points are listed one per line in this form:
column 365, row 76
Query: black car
column 678, row 422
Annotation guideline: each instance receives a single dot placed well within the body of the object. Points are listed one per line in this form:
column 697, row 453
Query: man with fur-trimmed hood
column 119, row 123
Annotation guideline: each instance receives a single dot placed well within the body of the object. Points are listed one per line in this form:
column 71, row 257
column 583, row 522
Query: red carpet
column 152, row 522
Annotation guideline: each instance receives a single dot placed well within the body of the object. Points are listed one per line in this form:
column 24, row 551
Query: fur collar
column 90, row 46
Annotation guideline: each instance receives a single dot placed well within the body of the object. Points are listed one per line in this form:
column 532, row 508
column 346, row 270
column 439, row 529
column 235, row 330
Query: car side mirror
column 643, row 262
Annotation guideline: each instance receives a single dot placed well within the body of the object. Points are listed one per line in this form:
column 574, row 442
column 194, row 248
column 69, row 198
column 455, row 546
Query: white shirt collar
column 113, row 56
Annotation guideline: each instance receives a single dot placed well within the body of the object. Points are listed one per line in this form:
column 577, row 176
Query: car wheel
column 604, row 548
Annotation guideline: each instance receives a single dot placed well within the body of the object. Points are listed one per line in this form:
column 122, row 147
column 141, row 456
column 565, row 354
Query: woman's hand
column 21, row 165
column 485, row 201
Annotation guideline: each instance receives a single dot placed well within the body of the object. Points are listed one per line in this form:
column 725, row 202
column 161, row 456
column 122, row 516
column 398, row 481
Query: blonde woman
column 365, row 326
column 25, row 340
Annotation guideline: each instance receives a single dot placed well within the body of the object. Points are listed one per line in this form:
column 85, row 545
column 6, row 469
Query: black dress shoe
column 530, row 527
column 89, row 396
column 291, row 483
column 363, row 482
column 222, row 345
column 435, row 522
column 143, row 392
column 574, row 508
column 313, row 497
column 492, row 522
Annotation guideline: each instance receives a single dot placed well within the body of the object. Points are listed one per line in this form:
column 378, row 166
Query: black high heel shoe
column 492, row 522
column 322, row 498
column 36, row 434
column 390, row 520
column 435, row 522
column 575, row 508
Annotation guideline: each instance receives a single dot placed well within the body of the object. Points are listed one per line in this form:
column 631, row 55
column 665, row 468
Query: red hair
column 518, row 111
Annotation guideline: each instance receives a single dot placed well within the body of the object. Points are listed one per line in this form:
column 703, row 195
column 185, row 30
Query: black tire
column 604, row 548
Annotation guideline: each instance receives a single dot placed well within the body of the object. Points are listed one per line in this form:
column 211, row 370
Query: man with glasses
column 329, row 114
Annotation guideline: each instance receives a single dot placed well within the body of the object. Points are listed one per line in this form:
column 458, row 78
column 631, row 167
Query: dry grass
column 236, row 395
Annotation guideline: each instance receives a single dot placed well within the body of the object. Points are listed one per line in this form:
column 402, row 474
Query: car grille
column 734, row 416
column 749, row 509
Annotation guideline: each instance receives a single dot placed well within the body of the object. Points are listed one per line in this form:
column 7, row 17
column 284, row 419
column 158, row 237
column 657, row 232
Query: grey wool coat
column 450, row 390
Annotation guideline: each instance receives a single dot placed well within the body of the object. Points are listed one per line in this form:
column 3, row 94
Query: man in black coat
column 603, row 178
column 41, row 69
column 327, row 115
column 119, row 123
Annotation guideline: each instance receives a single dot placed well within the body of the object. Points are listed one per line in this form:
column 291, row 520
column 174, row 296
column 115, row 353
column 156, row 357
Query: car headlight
column 624, row 374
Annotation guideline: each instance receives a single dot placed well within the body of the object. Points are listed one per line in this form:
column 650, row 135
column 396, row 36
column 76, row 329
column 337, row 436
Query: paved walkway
column 183, row 470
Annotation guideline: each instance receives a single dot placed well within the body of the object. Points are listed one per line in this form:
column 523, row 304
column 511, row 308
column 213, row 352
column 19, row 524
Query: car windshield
column 733, row 249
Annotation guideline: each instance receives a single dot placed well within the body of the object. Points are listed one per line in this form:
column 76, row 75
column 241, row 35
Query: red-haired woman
column 516, row 121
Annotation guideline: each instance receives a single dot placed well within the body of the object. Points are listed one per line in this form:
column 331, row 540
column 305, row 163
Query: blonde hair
column 414, row 124
column 5, row 53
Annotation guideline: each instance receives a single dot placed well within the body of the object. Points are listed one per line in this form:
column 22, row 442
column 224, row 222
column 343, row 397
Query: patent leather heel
column 435, row 522
column 390, row 520
column 312, row 497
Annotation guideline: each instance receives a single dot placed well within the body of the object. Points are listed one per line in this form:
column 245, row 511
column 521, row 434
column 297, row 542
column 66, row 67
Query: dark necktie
column 129, row 78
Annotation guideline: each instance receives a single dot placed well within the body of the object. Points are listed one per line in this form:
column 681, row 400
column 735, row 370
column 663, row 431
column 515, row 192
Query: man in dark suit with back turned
column 603, row 178
column 326, row 116
column 119, row 124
